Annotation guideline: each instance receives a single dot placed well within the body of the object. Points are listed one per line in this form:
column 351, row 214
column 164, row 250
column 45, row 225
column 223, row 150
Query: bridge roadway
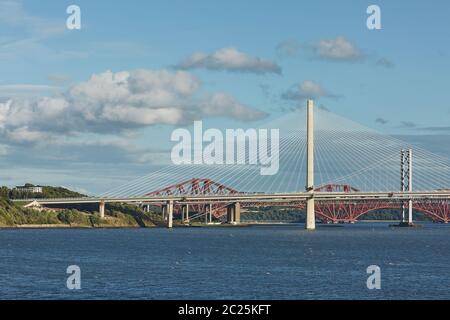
column 258, row 197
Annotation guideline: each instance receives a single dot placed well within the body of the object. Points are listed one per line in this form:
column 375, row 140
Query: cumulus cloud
column 230, row 59
column 307, row 89
column 113, row 103
column 337, row 49
column 221, row 104
column 26, row 135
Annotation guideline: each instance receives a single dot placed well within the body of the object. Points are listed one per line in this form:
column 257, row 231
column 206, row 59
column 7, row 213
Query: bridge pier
column 410, row 211
column 185, row 213
column 169, row 213
column 410, row 204
column 101, row 209
column 229, row 214
column 310, row 205
column 145, row 207
column 237, row 213
column 234, row 213
column 163, row 212
column 208, row 213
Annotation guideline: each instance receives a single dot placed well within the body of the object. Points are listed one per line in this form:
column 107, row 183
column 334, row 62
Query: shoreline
column 200, row 225
column 67, row 226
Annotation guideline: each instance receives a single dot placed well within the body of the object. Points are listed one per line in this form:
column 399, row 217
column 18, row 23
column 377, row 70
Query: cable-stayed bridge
column 336, row 167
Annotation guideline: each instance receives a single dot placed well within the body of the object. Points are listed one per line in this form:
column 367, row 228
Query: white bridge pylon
column 344, row 153
column 310, row 211
column 322, row 149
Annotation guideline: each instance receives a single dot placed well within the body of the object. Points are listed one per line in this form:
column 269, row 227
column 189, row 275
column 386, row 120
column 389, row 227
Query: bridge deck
column 300, row 196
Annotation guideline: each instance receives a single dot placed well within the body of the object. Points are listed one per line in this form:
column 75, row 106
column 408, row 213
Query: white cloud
column 338, row 49
column 230, row 59
column 25, row 135
column 312, row 88
column 130, row 114
column 112, row 103
column 221, row 104
column 307, row 89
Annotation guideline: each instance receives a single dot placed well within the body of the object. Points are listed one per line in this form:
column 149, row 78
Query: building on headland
column 31, row 189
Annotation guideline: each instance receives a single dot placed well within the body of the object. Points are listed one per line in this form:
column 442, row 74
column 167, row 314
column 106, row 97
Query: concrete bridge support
column 101, row 209
column 230, row 214
column 184, row 213
column 237, row 213
column 164, row 212
column 145, row 207
column 169, row 213
column 410, row 204
column 208, row 213
column 234, row 213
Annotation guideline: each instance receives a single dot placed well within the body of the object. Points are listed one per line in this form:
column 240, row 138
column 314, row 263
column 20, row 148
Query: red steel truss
column 438, row 210
column 194, row 187
column 349, row 211
column 197, row 186
column 337, row 211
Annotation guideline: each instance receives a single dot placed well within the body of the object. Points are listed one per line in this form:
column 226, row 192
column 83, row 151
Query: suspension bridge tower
column 406, row 183
column 310, row 211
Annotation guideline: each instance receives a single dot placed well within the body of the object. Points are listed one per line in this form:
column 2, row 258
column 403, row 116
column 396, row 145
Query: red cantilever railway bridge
column 334, row 203
column 329, row 211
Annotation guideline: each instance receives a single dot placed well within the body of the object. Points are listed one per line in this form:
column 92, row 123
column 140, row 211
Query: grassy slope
column 12, row 214
column 117, row 215
column 47, row 192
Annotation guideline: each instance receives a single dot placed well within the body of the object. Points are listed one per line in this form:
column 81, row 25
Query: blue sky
column 394, row 79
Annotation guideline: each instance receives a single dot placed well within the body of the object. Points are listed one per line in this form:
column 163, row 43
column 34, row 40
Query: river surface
column 259, row 262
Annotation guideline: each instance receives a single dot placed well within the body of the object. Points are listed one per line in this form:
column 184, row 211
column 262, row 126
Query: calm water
column 264, row 262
